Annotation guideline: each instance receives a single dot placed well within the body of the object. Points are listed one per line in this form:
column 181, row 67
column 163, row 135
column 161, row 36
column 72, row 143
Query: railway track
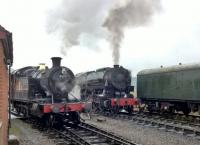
column 162, row 123
column 81, row 134
column 84, row 134
column 96, row 136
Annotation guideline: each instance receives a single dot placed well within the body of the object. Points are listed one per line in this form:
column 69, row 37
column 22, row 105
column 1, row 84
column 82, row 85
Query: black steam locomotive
column 108, row 88
column 43, row 92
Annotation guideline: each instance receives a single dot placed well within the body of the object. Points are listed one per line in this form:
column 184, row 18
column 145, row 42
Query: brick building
column 6, row 59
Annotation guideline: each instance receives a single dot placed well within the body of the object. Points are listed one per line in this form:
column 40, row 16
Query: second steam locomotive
column 108, row 88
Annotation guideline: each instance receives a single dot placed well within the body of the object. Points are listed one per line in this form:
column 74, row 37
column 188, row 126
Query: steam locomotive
column 170, row 89
column 108, row 89
column 44, row 93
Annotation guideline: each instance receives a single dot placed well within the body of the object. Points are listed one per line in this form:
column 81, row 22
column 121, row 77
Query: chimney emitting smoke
column 56, row 61
column 116, row 66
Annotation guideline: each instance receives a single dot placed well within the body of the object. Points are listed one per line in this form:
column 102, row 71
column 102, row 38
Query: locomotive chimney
column 56, row 61
column 116, row 66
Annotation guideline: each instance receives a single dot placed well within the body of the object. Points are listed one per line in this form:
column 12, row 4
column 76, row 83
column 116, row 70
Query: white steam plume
column 75, row 20
column 128, row 13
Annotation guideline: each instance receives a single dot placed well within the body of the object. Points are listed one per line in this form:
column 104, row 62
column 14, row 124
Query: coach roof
column 170, row 69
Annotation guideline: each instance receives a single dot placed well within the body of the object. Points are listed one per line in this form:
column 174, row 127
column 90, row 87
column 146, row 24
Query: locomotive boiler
column 55, row 82
column 43, row 92
column 108, row 88
column 170, row 89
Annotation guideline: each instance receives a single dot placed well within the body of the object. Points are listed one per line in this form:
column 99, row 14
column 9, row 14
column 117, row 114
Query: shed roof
column 6, row 39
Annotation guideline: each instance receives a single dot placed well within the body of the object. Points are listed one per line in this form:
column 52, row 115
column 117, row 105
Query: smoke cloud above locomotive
column 128, row 13
column 78, row 21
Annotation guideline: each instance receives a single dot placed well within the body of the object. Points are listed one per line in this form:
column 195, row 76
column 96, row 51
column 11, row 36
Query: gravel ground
column 141, row 134
column 27, row 135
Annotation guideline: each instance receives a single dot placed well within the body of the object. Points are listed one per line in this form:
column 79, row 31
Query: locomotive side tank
column 175, row 88
column 43, row 92
column 55, row 82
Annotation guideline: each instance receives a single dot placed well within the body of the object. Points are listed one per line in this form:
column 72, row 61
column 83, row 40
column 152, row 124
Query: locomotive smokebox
column 56, row 61
column 116, row 66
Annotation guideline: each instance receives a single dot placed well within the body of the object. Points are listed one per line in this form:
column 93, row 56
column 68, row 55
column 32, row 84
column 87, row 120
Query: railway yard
column 106, row 129
column 106, row 111
column 132, row 94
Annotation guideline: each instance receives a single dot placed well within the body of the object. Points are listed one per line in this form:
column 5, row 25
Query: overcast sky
column 172, row 36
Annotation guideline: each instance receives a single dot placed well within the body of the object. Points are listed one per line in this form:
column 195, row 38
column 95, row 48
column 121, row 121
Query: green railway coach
column 170, row 88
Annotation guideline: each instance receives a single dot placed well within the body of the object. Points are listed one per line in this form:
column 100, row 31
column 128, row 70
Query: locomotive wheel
column 95, row 107
column 130, row 110
column 74, row 117
column 107, row 106
column 49, row 121
column 18, row 110
column 115, row 109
